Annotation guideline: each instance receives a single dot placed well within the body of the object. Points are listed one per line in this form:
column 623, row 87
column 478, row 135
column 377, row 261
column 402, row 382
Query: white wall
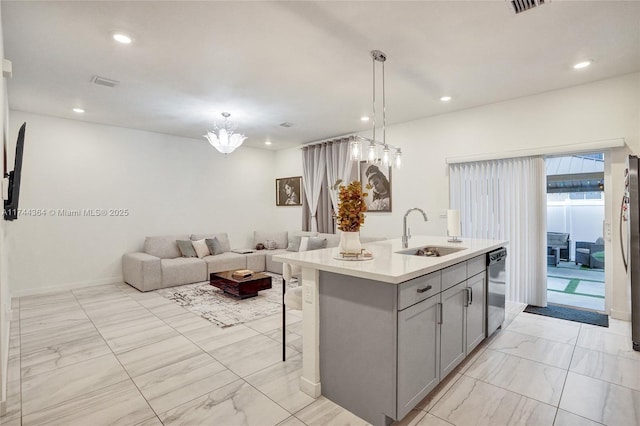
column 5, row 296
column 581, row 219
column 598, row 111
column 601, row 110
column 169, row 185
column 288, row 162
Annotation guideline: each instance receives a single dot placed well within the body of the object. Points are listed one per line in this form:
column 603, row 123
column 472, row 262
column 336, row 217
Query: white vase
column 350, row 242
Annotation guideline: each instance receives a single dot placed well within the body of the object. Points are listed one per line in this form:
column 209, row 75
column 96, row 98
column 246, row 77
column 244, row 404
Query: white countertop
column 387, row 265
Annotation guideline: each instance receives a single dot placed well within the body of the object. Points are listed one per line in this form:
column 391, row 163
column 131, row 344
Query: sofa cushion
column 333, row 240
column 256, row 261
column 222, row 238
column 227, row 261
column 214, row 246
column 164, row 247
column 294, row 243
column 316, row 243
column 305, row 233
column 183, row 270
column 201, row 248
column 186, row 248
column 281, row 238
column 270, row 264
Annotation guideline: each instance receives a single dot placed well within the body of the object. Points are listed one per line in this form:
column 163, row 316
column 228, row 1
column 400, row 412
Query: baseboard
column 4, row 365
column 310, row 388
column 65, row 287
column 620, row 315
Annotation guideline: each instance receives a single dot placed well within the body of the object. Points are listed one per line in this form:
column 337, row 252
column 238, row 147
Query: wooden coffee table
column 242, row 288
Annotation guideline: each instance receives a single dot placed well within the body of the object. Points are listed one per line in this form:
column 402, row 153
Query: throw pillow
column 303, row 243
column 215, row 247
column 294, row 243
column 270, row 244
column 201, row 248
column 316, row 243
column 186, row 248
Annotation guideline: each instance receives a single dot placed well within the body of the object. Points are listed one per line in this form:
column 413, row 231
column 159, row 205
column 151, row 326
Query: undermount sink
column 431, row 251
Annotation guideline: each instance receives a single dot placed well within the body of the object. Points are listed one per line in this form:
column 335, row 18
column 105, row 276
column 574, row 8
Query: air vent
column 520, row 6
column 104, row 81
column 286, row 124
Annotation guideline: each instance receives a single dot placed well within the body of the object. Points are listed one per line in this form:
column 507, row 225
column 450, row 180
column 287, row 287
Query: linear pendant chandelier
column 377, row 152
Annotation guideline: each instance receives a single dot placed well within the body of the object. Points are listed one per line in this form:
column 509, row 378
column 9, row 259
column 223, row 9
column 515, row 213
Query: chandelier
column 377, row 152
column 226, row 141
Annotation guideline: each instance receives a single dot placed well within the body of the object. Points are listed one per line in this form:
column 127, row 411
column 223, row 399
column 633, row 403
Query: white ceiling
column 305, row 62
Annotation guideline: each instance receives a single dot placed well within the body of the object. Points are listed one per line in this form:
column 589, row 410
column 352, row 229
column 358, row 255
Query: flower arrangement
column 351, row 206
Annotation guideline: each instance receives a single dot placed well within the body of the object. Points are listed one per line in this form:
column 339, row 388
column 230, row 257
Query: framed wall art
column 379, row 177
column 289, row 191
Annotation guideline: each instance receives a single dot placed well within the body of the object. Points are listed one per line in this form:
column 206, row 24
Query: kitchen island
column 382, row 333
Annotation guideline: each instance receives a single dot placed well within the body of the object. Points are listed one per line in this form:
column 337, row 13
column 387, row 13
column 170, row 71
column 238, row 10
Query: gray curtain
column 337, row 165
column 314, row 171
column 326, row 223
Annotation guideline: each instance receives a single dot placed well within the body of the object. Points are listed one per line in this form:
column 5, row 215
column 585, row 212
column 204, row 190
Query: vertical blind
column 506, row 200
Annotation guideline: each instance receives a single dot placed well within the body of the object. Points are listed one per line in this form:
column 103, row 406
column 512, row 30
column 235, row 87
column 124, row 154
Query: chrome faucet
column 405, row 235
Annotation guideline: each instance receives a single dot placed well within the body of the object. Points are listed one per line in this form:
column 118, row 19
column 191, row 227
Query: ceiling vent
column 104, row 81
column 520, row 6
column 286, row 124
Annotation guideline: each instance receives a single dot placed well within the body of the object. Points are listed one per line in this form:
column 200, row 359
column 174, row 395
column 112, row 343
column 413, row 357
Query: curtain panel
column 313, row 174
column 336, row 164
column 506, row 200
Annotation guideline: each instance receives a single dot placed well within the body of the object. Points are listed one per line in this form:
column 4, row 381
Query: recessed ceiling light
column 78, row 110
column 122, row 38
column 364, row 118
column 582, row 64
column 267, row 142
column 445, row 98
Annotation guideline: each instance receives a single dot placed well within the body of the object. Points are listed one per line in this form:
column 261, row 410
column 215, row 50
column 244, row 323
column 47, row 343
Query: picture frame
column 378, row 198
column 289, row 191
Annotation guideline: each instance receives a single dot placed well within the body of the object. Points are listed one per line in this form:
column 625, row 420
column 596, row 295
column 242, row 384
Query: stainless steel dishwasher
column 497, row 284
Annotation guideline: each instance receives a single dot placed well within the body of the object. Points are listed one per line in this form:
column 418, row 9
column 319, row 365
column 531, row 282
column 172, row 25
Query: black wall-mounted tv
column 11, row 204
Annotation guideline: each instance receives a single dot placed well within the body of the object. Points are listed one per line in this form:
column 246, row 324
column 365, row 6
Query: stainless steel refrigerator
column 630, row 242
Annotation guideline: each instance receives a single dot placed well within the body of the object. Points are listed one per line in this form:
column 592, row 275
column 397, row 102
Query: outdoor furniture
column 590, row 254
column 561, row 241
column 553, row 256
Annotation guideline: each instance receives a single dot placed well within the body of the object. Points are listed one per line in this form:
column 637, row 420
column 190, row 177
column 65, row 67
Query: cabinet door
column 476, row 286
column 452, row 330
column 418, row 351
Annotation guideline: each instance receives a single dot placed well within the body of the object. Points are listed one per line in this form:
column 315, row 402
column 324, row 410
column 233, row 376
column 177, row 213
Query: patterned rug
column 224, row 310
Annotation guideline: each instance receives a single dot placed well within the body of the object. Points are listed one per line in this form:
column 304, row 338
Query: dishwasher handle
column 496, row 256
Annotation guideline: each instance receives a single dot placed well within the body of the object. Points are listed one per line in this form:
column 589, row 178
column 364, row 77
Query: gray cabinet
column 384, row 347
column 418, row 353
column 452, row 329
column 475, row 311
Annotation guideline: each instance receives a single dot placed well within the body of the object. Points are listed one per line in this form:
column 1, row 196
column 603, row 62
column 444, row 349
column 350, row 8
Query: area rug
column 224, row 310
column 570, row 314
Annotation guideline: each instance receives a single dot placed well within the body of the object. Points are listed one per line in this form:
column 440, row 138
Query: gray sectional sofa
column 161, row 264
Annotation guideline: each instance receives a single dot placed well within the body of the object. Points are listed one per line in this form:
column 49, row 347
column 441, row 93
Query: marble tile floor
column 112, row 355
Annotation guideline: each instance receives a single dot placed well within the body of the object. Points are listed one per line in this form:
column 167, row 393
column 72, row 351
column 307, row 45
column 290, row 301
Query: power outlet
column 307, row 294
column 443, row 214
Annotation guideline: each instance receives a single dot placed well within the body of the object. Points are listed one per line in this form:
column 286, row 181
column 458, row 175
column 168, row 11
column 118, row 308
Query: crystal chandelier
column 377, row 152
column 226, row 141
